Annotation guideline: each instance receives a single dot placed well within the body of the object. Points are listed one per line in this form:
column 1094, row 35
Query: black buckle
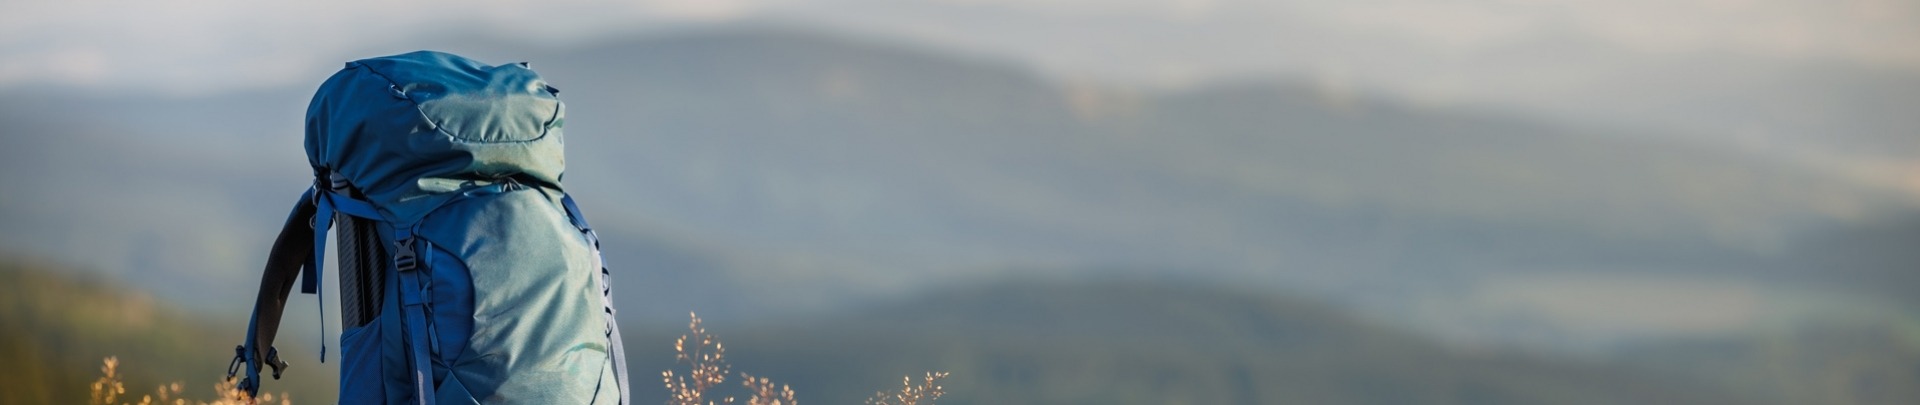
column 239, row 360
column 273, row 361
column 403, row 256
column 240, row 357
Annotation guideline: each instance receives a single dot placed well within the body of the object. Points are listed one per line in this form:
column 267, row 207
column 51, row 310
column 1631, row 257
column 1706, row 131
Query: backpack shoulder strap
column 297, row 255
column 606, row 296
column 292, row 250
column 413, row 305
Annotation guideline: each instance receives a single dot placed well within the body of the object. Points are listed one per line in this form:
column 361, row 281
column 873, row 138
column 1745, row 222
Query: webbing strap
column 413, row 302
column 354, row 206
column 328, row 203
column 413, row 283
column 316, row 208
column 606, row 296
column 322, row 221
column 276, row 281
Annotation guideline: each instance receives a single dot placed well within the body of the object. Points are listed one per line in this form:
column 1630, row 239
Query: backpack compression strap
column 407, row 267
column 413, row 282
column 292, row 250
column 606, row 296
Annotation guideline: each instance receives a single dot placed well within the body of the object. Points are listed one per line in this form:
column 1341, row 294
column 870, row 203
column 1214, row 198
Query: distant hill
column 1119, row 342
column 1865, row 357
column 1034, row 340
column 782, row 157
column 782, row 140
column 752, row 172
column 57, row 326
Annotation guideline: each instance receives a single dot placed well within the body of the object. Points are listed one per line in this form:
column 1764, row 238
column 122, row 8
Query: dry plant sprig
column 108, row 387
column 107, row 390
column 707, row 362
column 764, row 392
column 909, row 394
column 706, row 358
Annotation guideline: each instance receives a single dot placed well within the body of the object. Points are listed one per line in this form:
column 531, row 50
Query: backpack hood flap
column 410, row 130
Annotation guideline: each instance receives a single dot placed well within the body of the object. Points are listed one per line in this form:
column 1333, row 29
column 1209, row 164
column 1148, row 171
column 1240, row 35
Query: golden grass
column 926, row 392
column 707, row 372
column 109, row 388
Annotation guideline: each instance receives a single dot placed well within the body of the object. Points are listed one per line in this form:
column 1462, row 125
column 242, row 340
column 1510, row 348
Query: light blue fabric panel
column 538, row 334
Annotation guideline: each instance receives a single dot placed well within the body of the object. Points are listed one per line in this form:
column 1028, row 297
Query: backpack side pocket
column 360, row 368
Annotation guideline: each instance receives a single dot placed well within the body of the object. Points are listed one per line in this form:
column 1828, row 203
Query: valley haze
column 762, row 173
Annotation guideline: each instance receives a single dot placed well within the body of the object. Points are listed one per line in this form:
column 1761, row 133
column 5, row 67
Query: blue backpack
column 468, row 275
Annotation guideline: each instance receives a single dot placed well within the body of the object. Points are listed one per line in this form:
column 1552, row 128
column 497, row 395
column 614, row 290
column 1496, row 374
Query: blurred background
column 1058, row 201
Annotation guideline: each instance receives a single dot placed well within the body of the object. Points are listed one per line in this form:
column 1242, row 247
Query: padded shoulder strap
column 619, row 353
column 292, row 250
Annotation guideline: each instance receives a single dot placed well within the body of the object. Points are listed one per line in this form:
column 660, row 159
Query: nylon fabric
column 360, row 376
column 537, row 335
column 276, row 284
column 327, row 203
column 606, row 293
column 351, row 206
column 451, row 297
column 493, row 291
column 409, row 131
column 322, row 221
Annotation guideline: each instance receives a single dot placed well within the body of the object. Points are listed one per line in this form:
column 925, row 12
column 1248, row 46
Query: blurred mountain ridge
column 1035, row 340
column 57, row 325
column 913, row 159
column 815, row 170
column 1009, row 341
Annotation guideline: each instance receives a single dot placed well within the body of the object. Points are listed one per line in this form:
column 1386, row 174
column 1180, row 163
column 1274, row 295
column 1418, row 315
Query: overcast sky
column 189, row 44
column 1828, row 76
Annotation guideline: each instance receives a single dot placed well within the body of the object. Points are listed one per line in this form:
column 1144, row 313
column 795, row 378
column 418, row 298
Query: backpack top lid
column 410, row 131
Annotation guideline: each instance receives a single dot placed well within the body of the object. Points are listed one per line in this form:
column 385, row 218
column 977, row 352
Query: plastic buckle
column 273, row 361
column 338, row 182
column 239, row 361
column 403, row 255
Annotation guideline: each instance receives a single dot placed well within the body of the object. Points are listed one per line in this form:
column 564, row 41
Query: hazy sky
column 185, row 45
column 1783, row 77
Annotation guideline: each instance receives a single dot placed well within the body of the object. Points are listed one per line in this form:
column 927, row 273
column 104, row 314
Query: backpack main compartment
column 495, row 277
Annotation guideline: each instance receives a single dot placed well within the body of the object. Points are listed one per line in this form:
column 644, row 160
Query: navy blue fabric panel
column 452, row 301
column 360, row 371
column 393, row 345
column 453, row 392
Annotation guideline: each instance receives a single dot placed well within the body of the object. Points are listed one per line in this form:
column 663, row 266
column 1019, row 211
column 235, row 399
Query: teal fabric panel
column 410, row 130
column 609, row 391
column 538, row 333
